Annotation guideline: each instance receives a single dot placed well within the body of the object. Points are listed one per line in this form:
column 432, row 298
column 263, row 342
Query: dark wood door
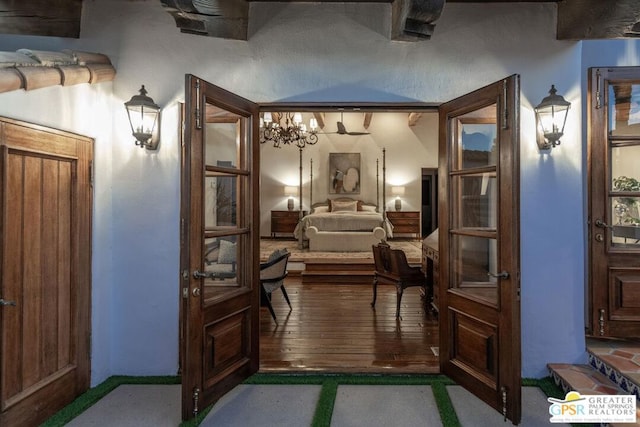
column 614, row 201
column 219, row 258
column 479, row 244
column 45, row 279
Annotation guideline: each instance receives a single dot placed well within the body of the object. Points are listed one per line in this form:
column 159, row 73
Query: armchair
column 272, row 274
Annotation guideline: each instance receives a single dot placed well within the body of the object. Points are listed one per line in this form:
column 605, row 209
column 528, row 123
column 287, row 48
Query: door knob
column 3, row 302
column 599, row 237
column 501, row 275
column 600, row 223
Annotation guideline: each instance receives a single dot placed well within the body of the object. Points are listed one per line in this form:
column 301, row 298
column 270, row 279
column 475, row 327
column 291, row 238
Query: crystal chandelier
column 292, row 132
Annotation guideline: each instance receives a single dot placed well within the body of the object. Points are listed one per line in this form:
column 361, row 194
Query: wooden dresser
column 284, row 221
column 405, row 222
column 430, row 266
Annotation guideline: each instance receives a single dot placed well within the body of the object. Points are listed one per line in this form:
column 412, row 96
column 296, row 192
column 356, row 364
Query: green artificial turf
column 326, row 401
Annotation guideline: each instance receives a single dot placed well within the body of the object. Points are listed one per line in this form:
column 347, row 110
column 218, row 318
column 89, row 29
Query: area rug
column 412, row 248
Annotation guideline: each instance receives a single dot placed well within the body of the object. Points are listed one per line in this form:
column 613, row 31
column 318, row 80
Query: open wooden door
column 614, row 201
column 219, row 258
column 479, row 244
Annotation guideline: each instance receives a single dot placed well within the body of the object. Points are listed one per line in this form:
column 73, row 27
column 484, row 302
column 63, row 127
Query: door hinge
column 601, row 321
column 198, row 106
column 503, row 390
column 598, row 94
column 91, row 173
column 505, row 110
column 196, row 397
column 518, row 295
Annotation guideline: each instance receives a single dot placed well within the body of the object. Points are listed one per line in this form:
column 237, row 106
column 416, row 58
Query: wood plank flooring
column 332, row 328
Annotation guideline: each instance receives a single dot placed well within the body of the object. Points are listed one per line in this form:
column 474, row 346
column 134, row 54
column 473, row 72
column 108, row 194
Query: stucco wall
column 306, row 52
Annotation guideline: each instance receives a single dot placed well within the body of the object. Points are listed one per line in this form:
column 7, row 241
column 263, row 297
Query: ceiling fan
column 343, row 131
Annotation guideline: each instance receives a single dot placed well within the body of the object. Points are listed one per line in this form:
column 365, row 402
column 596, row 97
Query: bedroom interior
column 374, row 152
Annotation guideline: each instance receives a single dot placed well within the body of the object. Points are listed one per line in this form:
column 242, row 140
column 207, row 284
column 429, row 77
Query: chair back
column 382, row 258
column 276, row 267
column 399, row 264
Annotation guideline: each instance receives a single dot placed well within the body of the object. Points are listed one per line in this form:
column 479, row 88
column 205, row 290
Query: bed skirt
column 343, row 241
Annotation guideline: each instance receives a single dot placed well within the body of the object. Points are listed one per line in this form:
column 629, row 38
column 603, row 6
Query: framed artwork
column 344, row 173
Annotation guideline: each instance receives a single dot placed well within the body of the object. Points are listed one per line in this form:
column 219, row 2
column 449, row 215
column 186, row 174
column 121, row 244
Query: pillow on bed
column 339, row 206
column 368, row 208
column 321, row 209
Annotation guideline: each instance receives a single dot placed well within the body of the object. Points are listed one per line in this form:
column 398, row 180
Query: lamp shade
column 397, row 190
column 290, row 190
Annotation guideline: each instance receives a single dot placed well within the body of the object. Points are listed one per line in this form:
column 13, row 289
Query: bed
column 343, row 224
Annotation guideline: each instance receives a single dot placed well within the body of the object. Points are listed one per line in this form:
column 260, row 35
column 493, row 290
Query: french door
column 219, row 244
column 614, row 201
column 479, row 244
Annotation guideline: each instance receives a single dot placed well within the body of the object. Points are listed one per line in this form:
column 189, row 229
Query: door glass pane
column 221, row 201
column 476, row 139
column 223, row 133
column 475, row 201
column 624, row 109
column 624, row 203
column 225, row 248
column 474, row 258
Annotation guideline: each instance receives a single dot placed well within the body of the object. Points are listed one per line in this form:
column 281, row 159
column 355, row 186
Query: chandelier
column 292, row 132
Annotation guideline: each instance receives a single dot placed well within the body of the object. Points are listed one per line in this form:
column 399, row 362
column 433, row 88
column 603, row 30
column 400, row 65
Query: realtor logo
column 601, row 408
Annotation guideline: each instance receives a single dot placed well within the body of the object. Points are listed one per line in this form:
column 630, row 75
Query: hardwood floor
column 332, row 328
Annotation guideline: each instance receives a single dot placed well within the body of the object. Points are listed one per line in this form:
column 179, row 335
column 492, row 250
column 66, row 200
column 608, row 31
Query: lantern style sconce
column 143, row 116
column 398, row 191
column 290, row 191
column 551, row 116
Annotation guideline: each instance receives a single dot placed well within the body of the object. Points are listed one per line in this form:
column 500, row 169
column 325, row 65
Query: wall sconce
column 290, row 191
column 143, row 115
column 551, row 116
column 398, row 191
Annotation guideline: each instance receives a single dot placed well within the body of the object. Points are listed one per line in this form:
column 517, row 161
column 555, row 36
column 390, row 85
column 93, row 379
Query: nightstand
column 405, row 222
column 284, row 221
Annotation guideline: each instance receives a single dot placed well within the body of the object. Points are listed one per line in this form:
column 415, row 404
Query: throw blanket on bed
column 344, row 221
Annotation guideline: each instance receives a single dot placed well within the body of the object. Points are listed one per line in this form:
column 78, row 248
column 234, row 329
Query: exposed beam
column 413, row 118
column 55, row 18
column 413, row 20
column 320, row 118
column 367, row 120
column 228, row 19
column 598, row 19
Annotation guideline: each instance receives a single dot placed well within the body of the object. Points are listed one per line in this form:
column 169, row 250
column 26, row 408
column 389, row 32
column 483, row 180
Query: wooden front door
column 614, row 201
column 219, row 245
column 479, row 244
column 45, row 278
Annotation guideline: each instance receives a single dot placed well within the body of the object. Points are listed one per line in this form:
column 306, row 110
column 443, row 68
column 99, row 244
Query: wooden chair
column 392, row 267
column 272, row 274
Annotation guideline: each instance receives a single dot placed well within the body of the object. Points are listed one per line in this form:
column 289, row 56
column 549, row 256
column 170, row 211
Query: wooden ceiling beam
column 55, row 18
column 367, row 120
column 597, row 19
column 413, row 118
column 227, row 19
column 319, row 116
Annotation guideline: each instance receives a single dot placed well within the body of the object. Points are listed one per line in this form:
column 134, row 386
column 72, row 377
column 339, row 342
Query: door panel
column 614, row 232
column 479, row 244
column 46, row 257
column 220, row 244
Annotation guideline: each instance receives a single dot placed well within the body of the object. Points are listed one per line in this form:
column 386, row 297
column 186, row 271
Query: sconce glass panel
column 476, row 142
column 475, row 199
column 477, row 256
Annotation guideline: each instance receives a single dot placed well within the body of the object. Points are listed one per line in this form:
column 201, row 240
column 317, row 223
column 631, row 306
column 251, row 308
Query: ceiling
column 411, row 20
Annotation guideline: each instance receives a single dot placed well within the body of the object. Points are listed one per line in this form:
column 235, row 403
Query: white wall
column 316, row 53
